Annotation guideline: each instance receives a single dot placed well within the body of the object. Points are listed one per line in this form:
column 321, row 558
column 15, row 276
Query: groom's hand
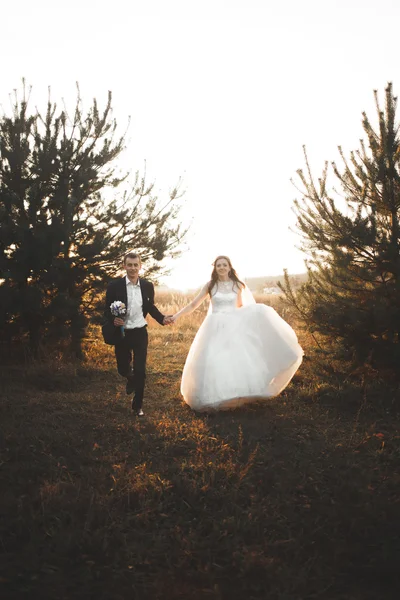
column 168, row 320
column 118, row 322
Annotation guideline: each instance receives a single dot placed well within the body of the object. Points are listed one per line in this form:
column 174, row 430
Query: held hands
column 169, row 320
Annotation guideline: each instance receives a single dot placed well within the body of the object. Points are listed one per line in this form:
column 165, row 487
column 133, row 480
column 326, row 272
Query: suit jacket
column 117, row 291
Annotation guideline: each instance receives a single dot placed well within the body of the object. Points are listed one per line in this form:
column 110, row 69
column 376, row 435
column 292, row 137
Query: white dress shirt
column 134, row 315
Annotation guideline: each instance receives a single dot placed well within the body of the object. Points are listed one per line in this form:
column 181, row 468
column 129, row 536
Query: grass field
column 293, row 498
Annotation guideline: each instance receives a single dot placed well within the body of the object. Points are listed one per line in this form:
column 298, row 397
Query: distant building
column 272, row 290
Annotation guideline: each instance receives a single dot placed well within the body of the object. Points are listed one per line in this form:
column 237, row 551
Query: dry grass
column 292, row 499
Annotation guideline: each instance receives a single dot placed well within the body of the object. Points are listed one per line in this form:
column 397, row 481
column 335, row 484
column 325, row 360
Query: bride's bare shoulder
column 204, row 288
column 209, row 286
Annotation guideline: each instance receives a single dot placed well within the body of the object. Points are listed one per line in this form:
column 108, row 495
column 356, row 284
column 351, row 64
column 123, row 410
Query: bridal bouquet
column 118, row 309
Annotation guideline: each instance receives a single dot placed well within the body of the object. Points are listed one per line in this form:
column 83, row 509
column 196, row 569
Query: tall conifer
column 64, row 224
column 352, row 239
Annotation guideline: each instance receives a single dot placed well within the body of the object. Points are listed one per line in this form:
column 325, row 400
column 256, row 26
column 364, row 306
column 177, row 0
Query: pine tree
column 63, row 223
column 352, row 239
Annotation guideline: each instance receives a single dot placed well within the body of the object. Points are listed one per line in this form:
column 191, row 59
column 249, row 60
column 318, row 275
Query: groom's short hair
column 132, row 254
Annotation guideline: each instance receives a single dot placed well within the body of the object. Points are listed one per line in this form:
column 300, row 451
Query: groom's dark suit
column 136, row 340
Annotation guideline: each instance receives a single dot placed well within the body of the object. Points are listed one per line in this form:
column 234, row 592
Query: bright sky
column 222, row 93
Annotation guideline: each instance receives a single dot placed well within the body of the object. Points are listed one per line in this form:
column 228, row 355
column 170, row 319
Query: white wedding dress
column 239, row 355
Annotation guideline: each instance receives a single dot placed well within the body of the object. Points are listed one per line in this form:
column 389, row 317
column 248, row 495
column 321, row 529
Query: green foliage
column 64, row 225
column 353, row 289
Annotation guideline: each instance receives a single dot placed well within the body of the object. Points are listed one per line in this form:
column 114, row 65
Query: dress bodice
column 223, row 299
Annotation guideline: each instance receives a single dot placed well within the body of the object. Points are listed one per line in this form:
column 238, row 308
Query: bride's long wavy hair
column 232, row 274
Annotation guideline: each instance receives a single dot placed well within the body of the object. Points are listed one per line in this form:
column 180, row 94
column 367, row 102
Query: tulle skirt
column 239, row 356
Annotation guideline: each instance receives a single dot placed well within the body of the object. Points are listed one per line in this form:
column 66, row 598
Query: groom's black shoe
column 137, row 410
column 130, row 385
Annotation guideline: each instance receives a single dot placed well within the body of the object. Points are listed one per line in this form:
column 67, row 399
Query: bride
column 242, row 352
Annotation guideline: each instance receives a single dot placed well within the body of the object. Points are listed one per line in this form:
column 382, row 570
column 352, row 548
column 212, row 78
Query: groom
column 138, row 297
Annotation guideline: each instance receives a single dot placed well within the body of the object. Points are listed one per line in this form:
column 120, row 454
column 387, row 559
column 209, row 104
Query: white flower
column 118, row 308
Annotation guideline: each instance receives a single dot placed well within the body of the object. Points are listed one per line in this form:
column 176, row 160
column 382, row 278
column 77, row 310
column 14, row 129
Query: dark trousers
column 133, row 346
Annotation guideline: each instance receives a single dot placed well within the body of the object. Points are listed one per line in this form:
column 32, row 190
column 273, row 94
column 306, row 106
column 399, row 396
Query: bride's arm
column 201, row 296
column 245, row 297
column 239, row 299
